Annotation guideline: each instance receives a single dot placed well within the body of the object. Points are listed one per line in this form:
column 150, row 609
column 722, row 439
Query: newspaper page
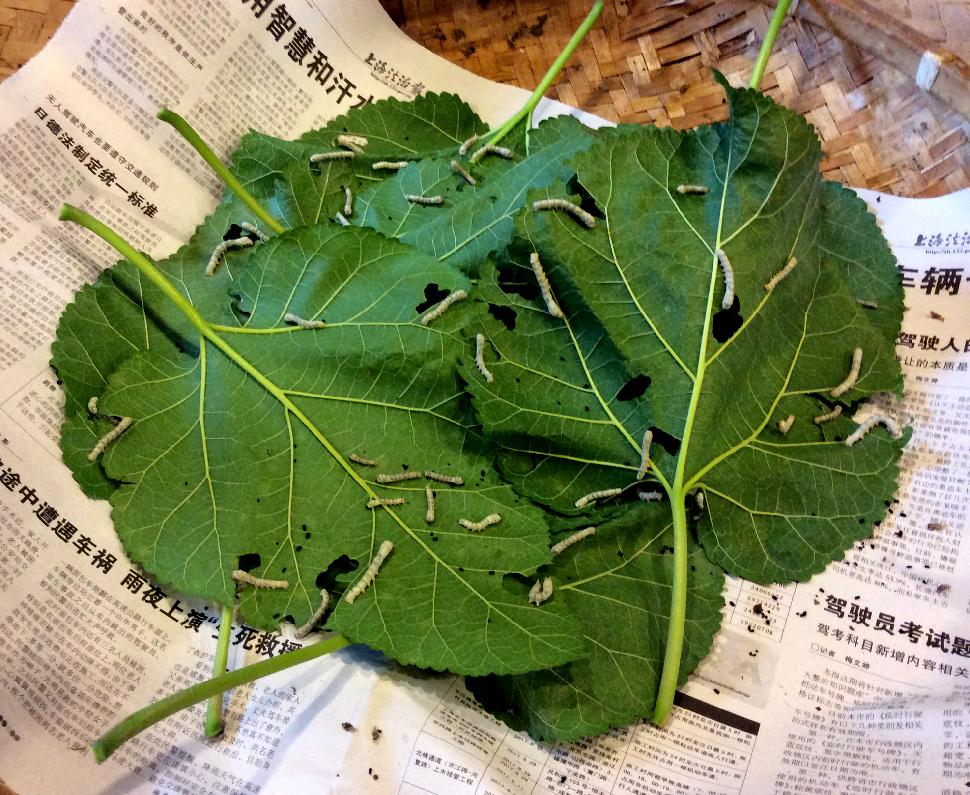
column 854, row 682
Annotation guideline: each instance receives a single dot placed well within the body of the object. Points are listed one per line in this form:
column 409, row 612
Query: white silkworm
column 821, row 419
column 441, row 307
column 246, row 578
column 551, row 306
column 645, row 454
column 541, row 591
column 574, row 210
column 389, row 165
column 700, row 500
column 359, row 459
column 728, row 300
column 427, row 201
column 109, row 437
column 340, row 154
column 467, row 144
column 480, row 358
column 489, row 149
column 866, row 303
column 602, row 494
column 348, row 201
column 263, row 237
column 305, row 630
column 852, row 377
column 477, row 527
column 772, row 283
column 355, row 143
column 380, row 502
column 463, row 172
column 454, row 480
column 429, row 499
column 691, row 190
column 220, row 251
column 650, row 496
column 341, row 219
column 296, row 320
column 397, row 477
column 785, row 425
column 369, row 573
column 93, row 403
column 871, row 422
column 575, row 538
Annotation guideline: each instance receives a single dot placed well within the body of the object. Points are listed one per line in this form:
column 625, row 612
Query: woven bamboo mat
column 649, row 61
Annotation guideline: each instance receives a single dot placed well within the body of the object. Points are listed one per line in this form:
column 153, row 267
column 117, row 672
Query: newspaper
column 854, row 682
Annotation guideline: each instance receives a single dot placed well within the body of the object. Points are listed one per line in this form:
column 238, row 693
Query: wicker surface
column 650, row 61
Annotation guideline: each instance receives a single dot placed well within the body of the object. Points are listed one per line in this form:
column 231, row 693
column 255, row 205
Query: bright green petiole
column 213, row 715
column 137, row 722
column 777, row 19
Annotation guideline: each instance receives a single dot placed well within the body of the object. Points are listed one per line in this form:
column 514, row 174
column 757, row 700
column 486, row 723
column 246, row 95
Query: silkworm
column 772, row 283
column 936, row 526
column 220, row 251
column 397, row 477
column 359, row 459
column 467, row 144
column 442, row 306
column 574, row 210
column 700, row 500
column 429, row 499
column 427, row 201
column 348, row 202
column 865, row 302
column 389, row 165
column 353, row 142
column 650, row 496
column 551, row 306
column 586, row 499
column 480, row 358
column 489, row 149
column 340, row 154
column 109, row 437
column 463, row 172
column 871, row 422
column 936, row 315
column 728, row 300
column 454, row 480
column 263, row 237
column 379, row 502
column 645, row 454
column 691, row 190
column 341, row 219
column 477, row 527
column 852, row 377
column 93, row 403
column 296, row 320
column 246, row 578
column 305, row 630
column 575, row 538
column 541, row 591
column 785, row 425
column 821, row 419
column 369, row 573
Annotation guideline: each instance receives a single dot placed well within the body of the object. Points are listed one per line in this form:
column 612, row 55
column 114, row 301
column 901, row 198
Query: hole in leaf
column 727, row 322
column 505, row 314
column 634, row 388
column 670, row 443
column 433, row 294
column 517, row 281
column 249, row 561
column 585, row 200
column 342, row 565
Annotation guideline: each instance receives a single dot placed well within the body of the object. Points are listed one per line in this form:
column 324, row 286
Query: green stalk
column 137, row 722
column 195, row 141
column 213, row 715
column 550, row 76
column 674, row 647
column 777, row 20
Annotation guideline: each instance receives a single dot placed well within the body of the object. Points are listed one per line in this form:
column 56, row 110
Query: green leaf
column 617, row 582
column 243, row 449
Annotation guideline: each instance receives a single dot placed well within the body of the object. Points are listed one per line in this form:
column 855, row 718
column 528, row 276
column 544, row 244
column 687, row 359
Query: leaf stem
column 678, row 611
column 137, row 722
column 777, row 20
column 213, row 715
column 554, row 70
column 195, row 141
